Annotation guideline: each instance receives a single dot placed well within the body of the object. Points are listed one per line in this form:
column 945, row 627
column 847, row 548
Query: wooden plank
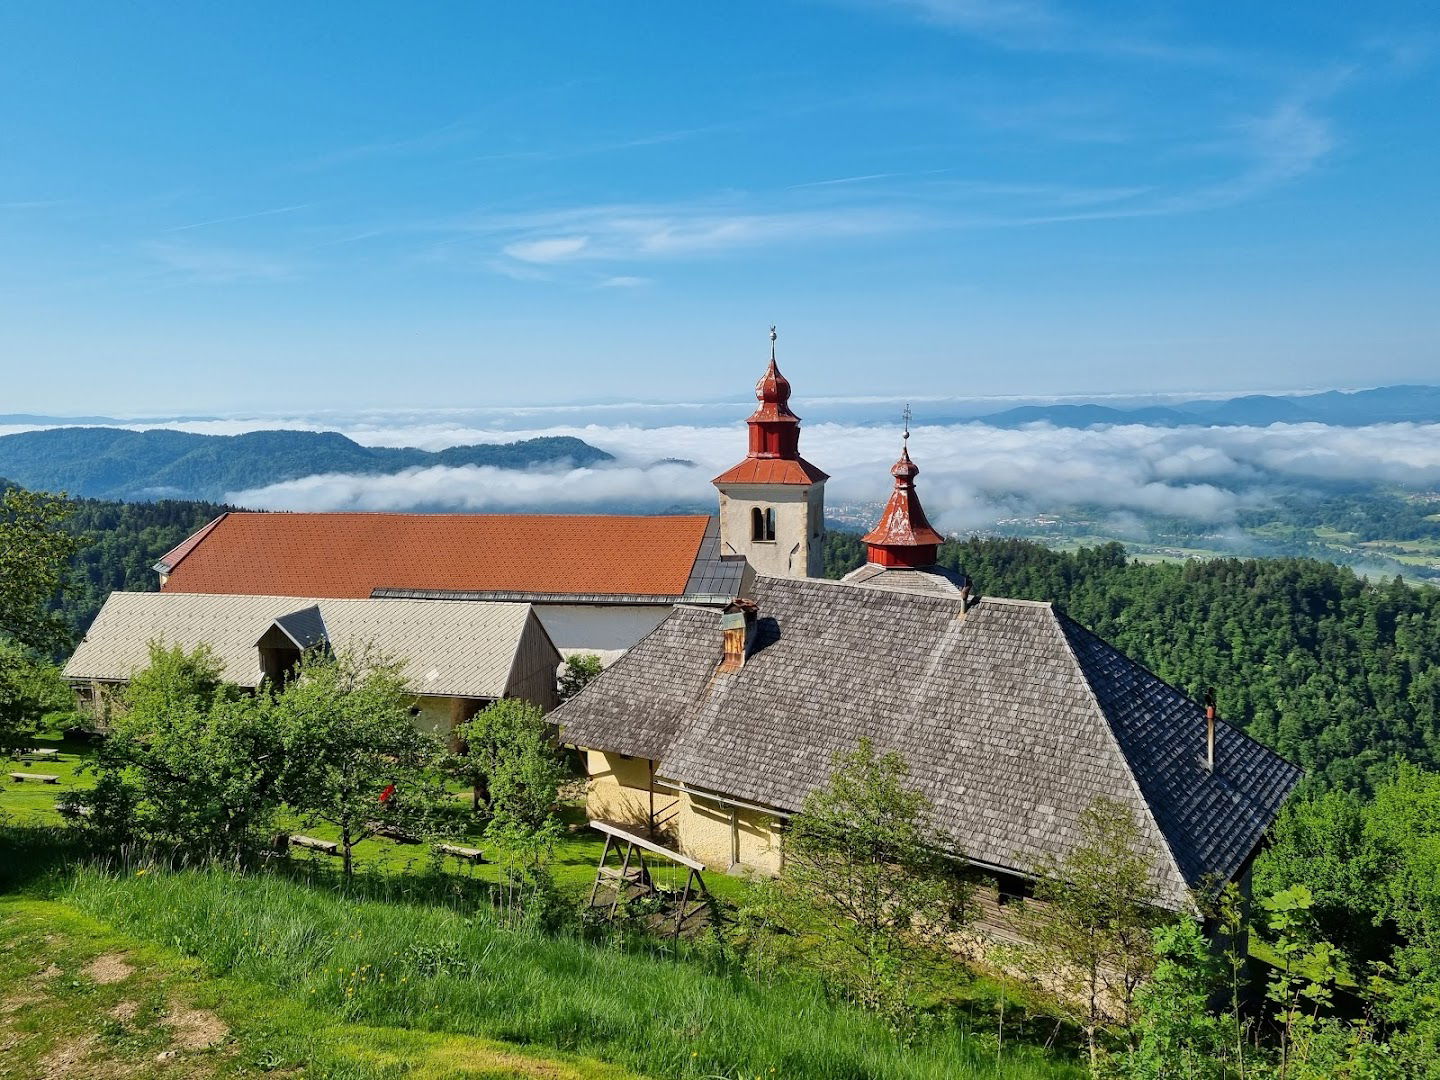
column 314, row 843
column 41, row 777
column 646, row 845
column 471, row 854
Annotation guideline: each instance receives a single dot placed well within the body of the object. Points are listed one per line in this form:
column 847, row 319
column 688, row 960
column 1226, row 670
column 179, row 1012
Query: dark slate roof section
column 998, row 711
column 1162, row 733
column 306, row 627
column 639, row 702
column 715, row 574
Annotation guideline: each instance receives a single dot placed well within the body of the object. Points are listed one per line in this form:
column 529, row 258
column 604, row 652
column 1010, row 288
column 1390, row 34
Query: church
column 735, row 672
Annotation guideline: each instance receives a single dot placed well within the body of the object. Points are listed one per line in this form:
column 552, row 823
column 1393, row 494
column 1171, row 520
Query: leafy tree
column 511, row 754
column 1304, row 981
column 30, row 689
column 190, row 761
column 1179, row 1038
column 865, row 879
column 1093, row 919
column 579, row 669
column 35, row 550
column 354, row 757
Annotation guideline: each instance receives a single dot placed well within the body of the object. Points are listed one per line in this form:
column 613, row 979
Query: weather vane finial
column 773, row 336
column 906, row 417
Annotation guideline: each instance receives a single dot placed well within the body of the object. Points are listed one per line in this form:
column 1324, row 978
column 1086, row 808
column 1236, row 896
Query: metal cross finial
column 906, row 417
column 773, row 336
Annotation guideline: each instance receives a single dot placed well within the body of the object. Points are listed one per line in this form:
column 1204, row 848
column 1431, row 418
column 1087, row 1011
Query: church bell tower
column 772, row 504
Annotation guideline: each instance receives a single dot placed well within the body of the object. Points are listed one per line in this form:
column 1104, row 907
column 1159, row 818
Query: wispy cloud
column 218, row 265
column 622, row 281
column 548, row 249
column 237, row 217
column 1037, row 25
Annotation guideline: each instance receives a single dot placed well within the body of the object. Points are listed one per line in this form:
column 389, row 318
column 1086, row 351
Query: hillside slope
column 114, row 463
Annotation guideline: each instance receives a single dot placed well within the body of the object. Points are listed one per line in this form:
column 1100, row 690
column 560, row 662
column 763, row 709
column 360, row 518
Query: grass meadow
column 409, row 973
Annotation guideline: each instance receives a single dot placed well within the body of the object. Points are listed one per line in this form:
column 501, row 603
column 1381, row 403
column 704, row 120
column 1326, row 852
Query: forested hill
column 123, row 541
column 113, row 463
column 1337, row 674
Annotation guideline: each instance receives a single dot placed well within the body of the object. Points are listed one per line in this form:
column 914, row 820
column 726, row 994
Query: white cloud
column 547, row 249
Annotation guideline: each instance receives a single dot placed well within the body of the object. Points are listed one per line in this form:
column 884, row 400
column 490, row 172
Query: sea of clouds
column 971, row 473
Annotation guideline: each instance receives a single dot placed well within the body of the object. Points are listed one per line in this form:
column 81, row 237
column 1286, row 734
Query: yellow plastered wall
column 619, row 789
column 719, row 836
column 724, row 836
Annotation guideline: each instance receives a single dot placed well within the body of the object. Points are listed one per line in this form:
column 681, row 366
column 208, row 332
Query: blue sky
column 273, row 206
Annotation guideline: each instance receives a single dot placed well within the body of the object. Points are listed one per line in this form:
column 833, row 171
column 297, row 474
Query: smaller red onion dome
column 903, row 536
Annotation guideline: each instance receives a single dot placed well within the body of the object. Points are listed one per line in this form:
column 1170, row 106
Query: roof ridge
column 1058, row 622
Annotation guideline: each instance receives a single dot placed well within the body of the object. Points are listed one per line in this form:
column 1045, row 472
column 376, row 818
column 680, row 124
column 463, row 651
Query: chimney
column 1210, row 730
column 737, row 629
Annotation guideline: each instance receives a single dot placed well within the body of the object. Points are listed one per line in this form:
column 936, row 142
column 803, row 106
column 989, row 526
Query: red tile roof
column 350, row 555
column 758, row 470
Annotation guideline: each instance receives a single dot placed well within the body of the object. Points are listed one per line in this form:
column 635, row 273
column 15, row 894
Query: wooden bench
column 314, row 843
column 42, row 777
column 468, row 854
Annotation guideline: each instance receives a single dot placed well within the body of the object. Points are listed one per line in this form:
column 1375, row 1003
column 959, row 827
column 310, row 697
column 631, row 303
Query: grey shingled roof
column 933, row 580
column 1013, row 719
column 446, row 649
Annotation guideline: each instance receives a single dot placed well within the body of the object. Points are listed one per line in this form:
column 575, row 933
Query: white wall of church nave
column 604, row 629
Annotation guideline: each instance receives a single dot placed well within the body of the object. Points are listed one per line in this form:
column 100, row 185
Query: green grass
column 33, row 803
column 292, row 937
column 426, row 968
column 62, row 1014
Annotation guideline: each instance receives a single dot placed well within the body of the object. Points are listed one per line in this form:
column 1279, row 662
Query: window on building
column 762, row 524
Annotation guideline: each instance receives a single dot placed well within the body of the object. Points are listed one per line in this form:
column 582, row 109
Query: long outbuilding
column 456, row 657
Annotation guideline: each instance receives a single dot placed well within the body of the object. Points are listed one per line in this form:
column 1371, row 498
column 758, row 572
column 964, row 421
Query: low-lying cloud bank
column 971, row 473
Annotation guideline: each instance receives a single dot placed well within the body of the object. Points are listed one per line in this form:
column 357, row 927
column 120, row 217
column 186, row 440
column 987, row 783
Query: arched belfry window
column 762, row 523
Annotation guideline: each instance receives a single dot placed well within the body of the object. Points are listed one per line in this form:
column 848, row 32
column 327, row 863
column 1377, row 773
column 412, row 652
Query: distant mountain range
column 1383, row 405
column 113, row 463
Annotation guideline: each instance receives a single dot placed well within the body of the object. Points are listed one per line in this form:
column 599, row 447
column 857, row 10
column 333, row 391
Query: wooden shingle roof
column 1012, row 717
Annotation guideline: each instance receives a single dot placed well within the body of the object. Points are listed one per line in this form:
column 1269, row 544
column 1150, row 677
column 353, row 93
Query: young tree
column 1179, row 1039
column 190, row 761
column 35, row 552
column 510, row 753
column 1093, row 923
column 354, row 757
column 865, row 879
column 577, row 673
